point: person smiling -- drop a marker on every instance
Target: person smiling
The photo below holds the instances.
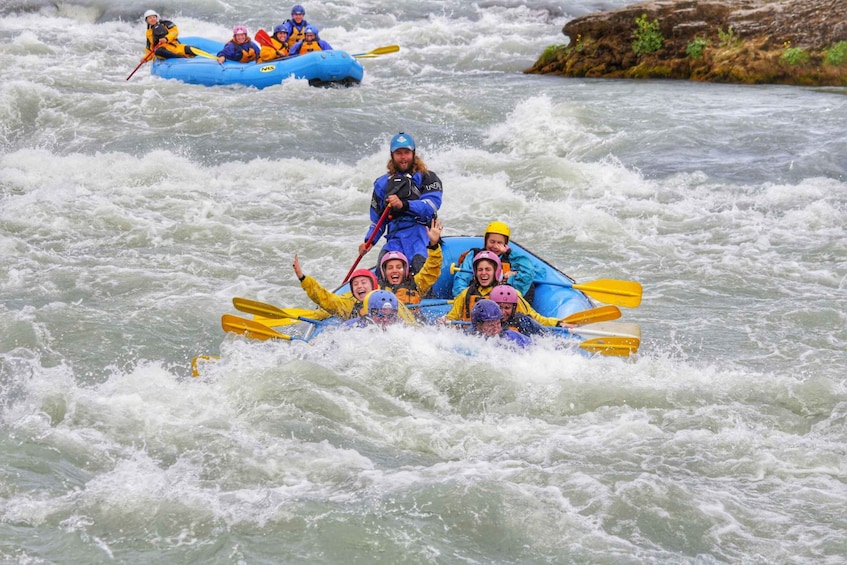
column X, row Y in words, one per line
column 487, row 274
column 395, row 275
column 413, row 194
column 345, row 306
column 310, row 43
column 240, row 48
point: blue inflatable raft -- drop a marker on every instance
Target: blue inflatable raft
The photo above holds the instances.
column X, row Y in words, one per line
column 553, row 293
column 321, row 68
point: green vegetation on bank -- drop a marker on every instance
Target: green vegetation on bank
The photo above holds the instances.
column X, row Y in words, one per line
column 648, row 36
column 837, row 54
column 713, row 53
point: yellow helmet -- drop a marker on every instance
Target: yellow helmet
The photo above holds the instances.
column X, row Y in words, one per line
column 500, row 228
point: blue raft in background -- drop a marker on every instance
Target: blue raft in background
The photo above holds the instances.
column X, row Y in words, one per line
column 320, row 68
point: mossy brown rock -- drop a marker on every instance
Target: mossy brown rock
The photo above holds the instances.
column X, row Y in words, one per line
column 740, row 41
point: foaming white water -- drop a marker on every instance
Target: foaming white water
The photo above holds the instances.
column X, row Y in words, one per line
column 132, row 212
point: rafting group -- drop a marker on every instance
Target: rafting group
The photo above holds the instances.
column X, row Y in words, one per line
column 293, row 49
column 292, row 37
column 487, row 290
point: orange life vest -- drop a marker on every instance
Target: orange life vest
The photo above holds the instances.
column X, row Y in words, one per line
column 309, row 47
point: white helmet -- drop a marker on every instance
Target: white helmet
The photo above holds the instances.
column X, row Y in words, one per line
column 149, row 13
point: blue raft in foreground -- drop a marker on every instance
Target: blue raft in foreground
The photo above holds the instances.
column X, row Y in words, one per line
column 554, row 294
column 321, row 68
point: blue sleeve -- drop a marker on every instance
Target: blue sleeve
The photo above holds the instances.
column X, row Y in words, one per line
column 426, row 207
column 523, row 272
column 520, row 340
column 295, row 50
column 324, row 45
column 464, row 276
column 228, row 51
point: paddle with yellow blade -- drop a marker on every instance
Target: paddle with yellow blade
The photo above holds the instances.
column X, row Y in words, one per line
column 610, row 291
column 252, row 329
column 594, row 315
column 603, row 329
column 384, row 50
column 200, row 53
column 270, row 315
column 612, row 346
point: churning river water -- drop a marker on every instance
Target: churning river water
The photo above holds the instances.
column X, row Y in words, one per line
column 132, row 212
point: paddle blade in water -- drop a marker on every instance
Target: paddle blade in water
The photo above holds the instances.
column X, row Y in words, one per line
column 612, row 346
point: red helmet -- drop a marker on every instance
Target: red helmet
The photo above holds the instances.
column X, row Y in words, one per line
column 394, row 255
column 365, row 273
column 489, row 256
column 504, row 293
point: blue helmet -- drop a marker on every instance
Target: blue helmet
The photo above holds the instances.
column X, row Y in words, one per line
column 402, row 140
column 279, row 28
column 298, row 9
column 382, row 300
column 311, row 29
column 485, row 311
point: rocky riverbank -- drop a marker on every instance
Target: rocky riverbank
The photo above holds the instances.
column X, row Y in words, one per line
column 802, row 42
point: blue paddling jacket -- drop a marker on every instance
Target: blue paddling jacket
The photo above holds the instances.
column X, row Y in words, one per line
column 405, row 229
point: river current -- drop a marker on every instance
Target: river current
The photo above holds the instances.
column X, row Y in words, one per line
column 132, row 212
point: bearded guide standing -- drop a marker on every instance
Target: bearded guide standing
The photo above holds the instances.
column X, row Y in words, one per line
column 413, row 194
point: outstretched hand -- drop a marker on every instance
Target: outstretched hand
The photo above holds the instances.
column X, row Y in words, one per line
column 297, row 270
column 434, row 231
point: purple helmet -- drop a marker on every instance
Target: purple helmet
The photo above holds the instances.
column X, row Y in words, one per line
column 239, row 29
column 485, row 311
column 394, row 255
column 489, row 256
column 504, row 293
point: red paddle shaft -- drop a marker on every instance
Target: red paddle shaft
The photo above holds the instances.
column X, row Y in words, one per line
column 368, row 242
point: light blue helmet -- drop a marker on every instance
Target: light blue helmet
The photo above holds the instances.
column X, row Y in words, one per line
column 485, row 311
column 311, row 29
column 401, row 141
column 298, row 9
column 382, row 300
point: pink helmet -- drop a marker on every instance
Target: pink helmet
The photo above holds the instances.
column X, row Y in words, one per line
column 504, row 293
column 239, row 29
column 394, row 255
column 489, row 256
